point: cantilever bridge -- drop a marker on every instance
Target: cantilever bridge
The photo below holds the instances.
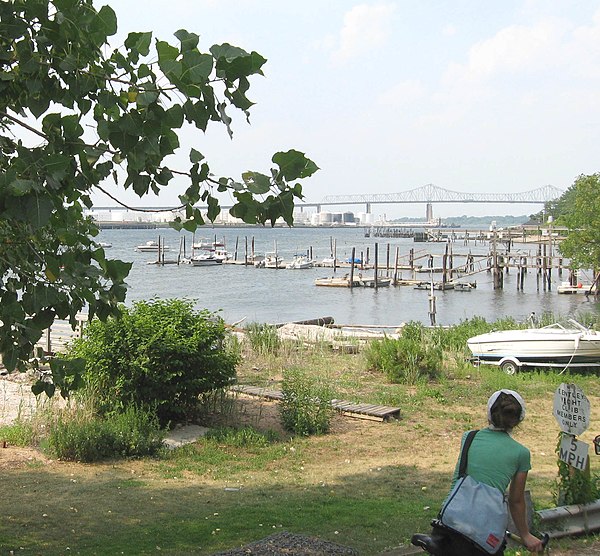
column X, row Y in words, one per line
column 433, row 194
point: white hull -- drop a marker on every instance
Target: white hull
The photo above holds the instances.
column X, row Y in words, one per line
column 552, row 344
column 203, row 261
column 300, row 263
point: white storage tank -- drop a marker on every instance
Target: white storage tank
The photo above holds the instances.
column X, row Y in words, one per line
column 325, row 218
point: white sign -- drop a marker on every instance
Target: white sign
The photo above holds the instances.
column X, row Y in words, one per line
column 571, row 409
column 574, row 452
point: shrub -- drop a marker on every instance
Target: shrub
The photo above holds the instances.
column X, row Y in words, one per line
column 160, row 354
column 82, row 436
column 406, row 359
column 263, row 338
column 306, row 406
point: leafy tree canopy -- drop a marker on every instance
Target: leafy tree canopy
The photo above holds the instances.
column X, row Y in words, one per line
column 580, row 212
column 74, row 115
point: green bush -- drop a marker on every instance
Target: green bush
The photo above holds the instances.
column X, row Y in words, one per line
column 306, row 406
column 160, row 354
column 82, row 436
column 263, row 338
column 406, row 359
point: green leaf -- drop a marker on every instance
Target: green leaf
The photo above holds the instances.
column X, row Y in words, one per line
column 197, row 66
column 20, row 187
column 227, row 51
column 164, row 176
column 196, row 113
column 38, row 387
column 196, row 156
column 106, row 21
column 258, row 184
column 167, row 60
column 32, row 208
column 146, row 98
column 294, row 165
column 117, row 270
column 139, row 42
column 213, row 208
column 174, row 116
column 240, row 66
column 188, row 41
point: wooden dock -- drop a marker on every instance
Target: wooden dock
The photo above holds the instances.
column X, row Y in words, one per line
column 358, row 410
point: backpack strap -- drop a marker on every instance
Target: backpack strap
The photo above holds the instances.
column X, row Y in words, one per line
column 462, row 469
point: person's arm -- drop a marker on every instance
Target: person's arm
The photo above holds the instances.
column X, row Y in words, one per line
column 516, row 503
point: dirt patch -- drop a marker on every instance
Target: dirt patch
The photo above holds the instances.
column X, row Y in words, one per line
column 14, row 457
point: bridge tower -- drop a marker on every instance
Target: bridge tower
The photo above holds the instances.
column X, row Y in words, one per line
column 429, row 213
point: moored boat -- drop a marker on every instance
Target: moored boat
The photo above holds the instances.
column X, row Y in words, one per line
column 271, row 260
column 151, row 246
column 300, row 262
column 208, row 259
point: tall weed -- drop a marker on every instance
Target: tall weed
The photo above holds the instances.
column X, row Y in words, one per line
column 306, row 406
column 79, row 435
column 406, row 359
column 263, row 338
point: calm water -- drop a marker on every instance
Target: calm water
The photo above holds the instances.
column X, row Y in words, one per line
column 275, row 296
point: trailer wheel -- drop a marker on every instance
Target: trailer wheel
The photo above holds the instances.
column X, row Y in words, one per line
column 509, row 367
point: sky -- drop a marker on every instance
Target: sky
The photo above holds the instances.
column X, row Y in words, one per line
column 387, row 96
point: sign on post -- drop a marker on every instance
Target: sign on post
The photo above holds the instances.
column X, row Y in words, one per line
column 571, row 409
column 573, row 451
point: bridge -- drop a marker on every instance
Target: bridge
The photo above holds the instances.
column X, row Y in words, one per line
column 425, row 194
column 433, row 194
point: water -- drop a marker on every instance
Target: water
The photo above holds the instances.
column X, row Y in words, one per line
column 277, row 296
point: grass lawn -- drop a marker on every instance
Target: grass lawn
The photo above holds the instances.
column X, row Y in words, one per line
column 366, row 484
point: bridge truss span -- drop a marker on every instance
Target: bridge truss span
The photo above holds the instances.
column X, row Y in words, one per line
column 433, row 194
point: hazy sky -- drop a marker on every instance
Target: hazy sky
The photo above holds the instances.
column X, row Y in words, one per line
column 470, row 95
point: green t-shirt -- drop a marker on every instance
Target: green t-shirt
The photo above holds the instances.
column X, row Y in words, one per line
column 494, row 458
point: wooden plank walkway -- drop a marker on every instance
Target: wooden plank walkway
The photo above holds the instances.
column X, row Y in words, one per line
column 358, row 410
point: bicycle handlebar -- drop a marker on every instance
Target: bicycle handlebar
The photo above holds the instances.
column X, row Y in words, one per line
column 545, row 538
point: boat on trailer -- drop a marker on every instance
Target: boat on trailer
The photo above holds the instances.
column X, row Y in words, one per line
column 550, row 346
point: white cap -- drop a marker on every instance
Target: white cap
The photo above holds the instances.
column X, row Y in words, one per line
column 512, row 393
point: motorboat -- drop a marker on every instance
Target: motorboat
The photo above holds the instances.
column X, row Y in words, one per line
column 271, row 260
column 151, row 246
column 205, row 243
column 552, row 345
column 208, row 259
column 300, row 262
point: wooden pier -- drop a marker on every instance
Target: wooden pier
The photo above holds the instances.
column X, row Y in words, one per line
column 358, row 410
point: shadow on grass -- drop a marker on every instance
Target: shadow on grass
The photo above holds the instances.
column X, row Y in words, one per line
column 116, row 511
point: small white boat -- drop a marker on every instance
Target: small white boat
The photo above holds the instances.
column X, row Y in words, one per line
column 553, row 345
column 205, row 243
column 299, row 262
column 151, row 246
column 203, row 260
column 271, row 260
column 104, row 244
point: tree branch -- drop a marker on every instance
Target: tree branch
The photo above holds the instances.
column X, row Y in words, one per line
column 23, row 124
column 121, row 203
